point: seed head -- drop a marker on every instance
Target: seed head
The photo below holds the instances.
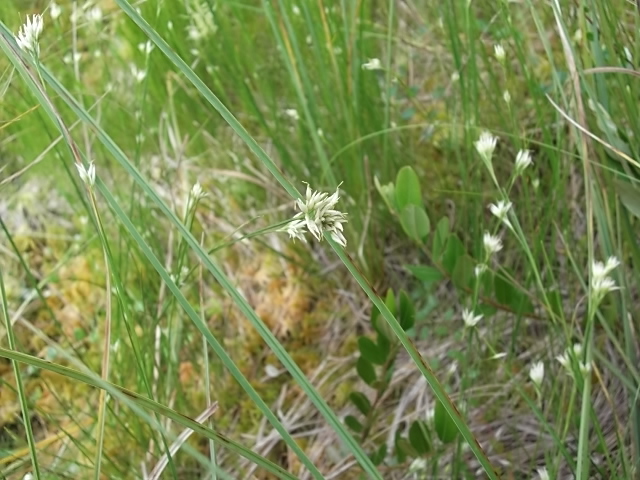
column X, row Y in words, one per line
column 87, row 175
column 29, row 34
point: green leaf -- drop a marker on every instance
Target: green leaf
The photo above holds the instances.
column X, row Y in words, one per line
column 388, row 194
column 407, row 312
column 384, row 345
column 428, row 275
column 381, row 327
column 445, row 426
column 366, row 371
column 419, row 437
column 455, row 249
column 629, row 196
column 509, row 295
column 440, row 237
column 401, row 455
column 370, row 351
column 404, row 449
column 408, row 188
column 463, row 273
column 379, row 455
column 390, row 302
column 415, row 222
column 353, row 423
column 361, row 402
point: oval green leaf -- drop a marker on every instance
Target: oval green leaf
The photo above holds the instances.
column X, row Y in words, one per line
column 366, row 371
column 415, row 222
column 407, row 188
column 419, row 437
column 445, row 427
column 353, row 423
column 370, row 351
column 361, row 402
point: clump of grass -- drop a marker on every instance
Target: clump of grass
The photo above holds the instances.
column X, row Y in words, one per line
column 341, row 96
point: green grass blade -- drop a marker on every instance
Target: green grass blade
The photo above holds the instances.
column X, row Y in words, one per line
column 22, row 396
column 138, row 400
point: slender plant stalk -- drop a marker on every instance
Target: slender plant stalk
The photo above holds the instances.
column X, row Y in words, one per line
column 22, row 395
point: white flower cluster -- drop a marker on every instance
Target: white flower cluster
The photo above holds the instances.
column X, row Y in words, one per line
column 601, row 282
column 317, row 215
column 29, row 33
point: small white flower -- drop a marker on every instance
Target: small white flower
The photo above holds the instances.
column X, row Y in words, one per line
column 418, row 465
column 492, row 244
column 146, row 47
column 372, row 64
column 498, row 50
column 28, row 476
column 455, row 76
column 197, row 192
column 498, row 356
column 600, row 270
column 535, row 183
column 564, row 360
column 500, row 210
column 138, row 75
column 470, row 320
column 543, row 474
column 87, row 175
column 577, row 350
column 296, row 230
column 523, row 161
column 585, row 368
column 292, row 113
column 506, row 96
column 480, row 269
column 93, row 15
column 54, row 10
column 485, row 145
column 601, row 283
column 296, row 10
column 536, row 373
column 29, row 33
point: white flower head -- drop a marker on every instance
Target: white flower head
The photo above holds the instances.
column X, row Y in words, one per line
column 146, row 47
column 93, row 15
column 536, row 373
column 577, row 350
column 564, row 360
column 296, row 10
column 29, row 33
column 418, row 465
column 485, row 145
column 137, row 74
column 296, row 230
column 498, row 50
column 470, row 320
column 543, row 474
column 318, row 215
column 492, row 243
column 480, row 269
column 523, row 161
column 292, row 113
column 601, row 283
column 501, row 210
column 87, row 175
column 506, row 96
column 585, row 368
column 197, row 192
column 372, row 64
column 54, row 10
